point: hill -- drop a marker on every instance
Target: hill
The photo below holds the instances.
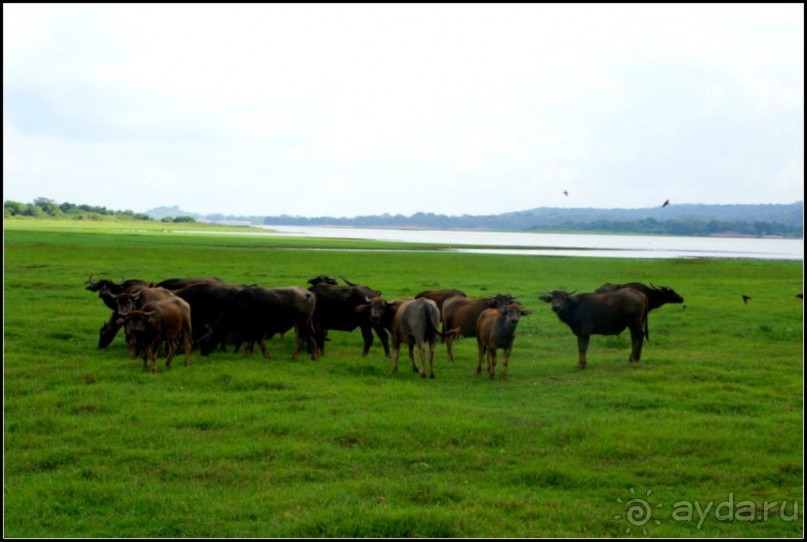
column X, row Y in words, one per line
column 786, row 220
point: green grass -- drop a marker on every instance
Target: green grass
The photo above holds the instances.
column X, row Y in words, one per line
column 237, row 446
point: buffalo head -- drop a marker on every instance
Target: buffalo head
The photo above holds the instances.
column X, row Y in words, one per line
column 559, row 299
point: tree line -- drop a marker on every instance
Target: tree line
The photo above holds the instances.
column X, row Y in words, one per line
column 48, row 208
column 536, row 222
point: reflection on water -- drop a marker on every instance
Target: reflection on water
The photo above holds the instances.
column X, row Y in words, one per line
column 563, row 244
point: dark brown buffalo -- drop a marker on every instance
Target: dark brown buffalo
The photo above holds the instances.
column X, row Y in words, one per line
column 415, row 323
column 496, row 329
column 256, row 314
column 656, row 295
column 207, row 301
column 462, row 312
column 440, row 296
column 336, row 309
column 133, row 298
column 106, row 285
column 161, row 322
column 602, row 314
column 381, row 311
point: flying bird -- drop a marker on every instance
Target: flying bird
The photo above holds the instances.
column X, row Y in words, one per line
column 565, row 193
column 666, row 203
column 746, row 298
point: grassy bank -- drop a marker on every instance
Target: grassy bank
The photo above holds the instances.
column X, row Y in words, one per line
column 702, row 436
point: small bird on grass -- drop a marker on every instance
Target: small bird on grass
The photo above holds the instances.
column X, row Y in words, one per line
column 746, row 298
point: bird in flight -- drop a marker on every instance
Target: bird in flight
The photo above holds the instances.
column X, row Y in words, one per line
column 666, row 203
column 565, row 193
column 746, row 298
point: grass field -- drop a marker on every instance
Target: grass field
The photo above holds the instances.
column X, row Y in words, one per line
column 702, row 438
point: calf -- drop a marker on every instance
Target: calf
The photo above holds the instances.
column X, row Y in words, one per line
column 602, row 314
column 415, row 322
column 496, row 328
column 122, row 303
column 462, row 312
column 166, row 320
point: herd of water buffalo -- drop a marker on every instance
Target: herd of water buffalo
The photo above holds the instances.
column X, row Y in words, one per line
column 207, row 313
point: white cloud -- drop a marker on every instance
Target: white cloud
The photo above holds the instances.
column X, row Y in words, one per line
column 241, row 108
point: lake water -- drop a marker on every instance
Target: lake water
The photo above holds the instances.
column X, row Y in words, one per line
column 563, row 244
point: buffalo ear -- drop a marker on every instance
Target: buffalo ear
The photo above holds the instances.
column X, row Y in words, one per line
column 545, row 298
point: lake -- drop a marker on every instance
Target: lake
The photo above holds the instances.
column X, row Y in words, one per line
column 568, row 244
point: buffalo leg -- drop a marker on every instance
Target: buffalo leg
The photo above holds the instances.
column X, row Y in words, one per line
column 491, row 362
column 582, row 346
column 298, row 342
column 319, row 338
column 506, row 360
column 412, row 356
column 151, row 355
column 311, row 341
column 367, row 335
column 450, row 347
column 382, row 336
column 188, row 340
column 431, row 359
column 396, row 349
column 171, row 346
column 636, row 336
column 481, row 351
column 108, row 331
column 422, row 354
column 262, row 344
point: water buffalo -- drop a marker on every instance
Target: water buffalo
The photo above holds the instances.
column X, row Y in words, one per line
column 157, row 322
column 656, row 295
column 256, row 314
column 462, row 312
column 207, row 301
column 336, row 309
column 496, row 328
column 415, row 322
column 602, row 314
column 106, row 285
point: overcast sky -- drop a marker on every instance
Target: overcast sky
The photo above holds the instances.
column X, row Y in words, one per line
column 356, row 109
